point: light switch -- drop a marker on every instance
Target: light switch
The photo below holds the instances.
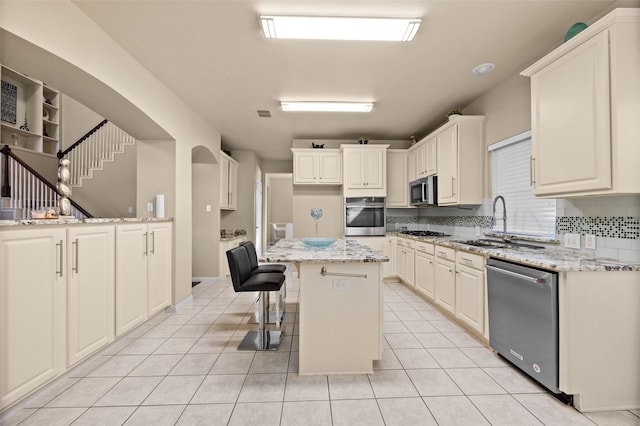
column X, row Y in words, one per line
column 590, row 241
column 130, row 209
column 572, row 241
column 149, row 207
column 208, row 208
column 341, row 284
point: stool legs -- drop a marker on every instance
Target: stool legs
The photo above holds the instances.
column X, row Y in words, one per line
column 263, row 339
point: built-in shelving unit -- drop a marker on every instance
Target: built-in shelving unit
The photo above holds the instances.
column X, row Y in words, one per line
column 37, row 114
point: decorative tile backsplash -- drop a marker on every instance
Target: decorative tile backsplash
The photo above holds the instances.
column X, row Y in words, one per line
column 626, row 227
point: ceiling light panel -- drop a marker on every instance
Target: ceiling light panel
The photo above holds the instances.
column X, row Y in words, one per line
column 326, row 28
column 327, row 106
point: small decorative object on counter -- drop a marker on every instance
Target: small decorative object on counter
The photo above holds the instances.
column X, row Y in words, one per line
column 51, row 214
column 63, row 187
column 454, row 113
column 316, row 214
column 363, row 140
column 317, row 145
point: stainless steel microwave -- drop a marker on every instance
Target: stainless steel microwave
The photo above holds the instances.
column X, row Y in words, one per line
column 424, row 192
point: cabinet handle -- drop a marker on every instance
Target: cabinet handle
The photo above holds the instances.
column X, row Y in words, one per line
column 442, row 253
column 533, row 170
column 453, row 185
column 61, row 271
column 467, row 260
column 153, row 242
column 75, row 269
column 146, row 244
column 430, row 263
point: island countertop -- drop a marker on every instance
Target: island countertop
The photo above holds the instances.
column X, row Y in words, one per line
column 342, row 251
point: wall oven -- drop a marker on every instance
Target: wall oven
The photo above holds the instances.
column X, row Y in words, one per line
column 423, row 192
column 364, row 216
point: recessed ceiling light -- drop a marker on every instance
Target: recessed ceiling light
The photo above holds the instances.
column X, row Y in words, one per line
column 327, row 106
column 483, row 68
column 326, row 28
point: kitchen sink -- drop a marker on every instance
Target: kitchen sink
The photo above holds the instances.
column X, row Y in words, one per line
column 485, row 242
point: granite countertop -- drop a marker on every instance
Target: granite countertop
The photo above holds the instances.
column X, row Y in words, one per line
column 231, row 237
column 553, row 259
column 95, row 220
column 342, row 251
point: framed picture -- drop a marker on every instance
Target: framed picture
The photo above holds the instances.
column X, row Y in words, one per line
column 8, row 101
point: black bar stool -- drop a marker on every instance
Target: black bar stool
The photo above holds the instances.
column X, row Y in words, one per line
column 256, row 268
column 244, row 281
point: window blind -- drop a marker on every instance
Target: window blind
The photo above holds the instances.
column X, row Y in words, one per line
column 511, row 178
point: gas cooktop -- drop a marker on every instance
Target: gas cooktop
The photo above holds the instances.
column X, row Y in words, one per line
column 425, row 234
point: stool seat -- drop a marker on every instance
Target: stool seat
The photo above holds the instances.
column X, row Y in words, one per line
column 263, row 282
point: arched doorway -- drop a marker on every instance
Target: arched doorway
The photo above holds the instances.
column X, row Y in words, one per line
column 205, row 222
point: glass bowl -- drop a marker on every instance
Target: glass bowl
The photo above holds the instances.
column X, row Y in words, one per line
column 318, row 242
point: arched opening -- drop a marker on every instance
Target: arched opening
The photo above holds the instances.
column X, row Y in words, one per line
column 205, row 221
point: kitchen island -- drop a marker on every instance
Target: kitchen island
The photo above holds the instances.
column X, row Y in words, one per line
column 341, row 304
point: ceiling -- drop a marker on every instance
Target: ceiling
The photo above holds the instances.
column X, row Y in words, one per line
column 213, row 55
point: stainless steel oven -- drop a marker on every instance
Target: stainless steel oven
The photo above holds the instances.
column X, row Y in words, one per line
column 364, row 216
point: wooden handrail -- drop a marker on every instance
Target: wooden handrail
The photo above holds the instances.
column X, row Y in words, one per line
column 6, row 150
column 61, row 154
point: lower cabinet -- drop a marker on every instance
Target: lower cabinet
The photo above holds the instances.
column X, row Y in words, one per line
column 445, row 288
column 470, row 290
column 389, row 268
column 33, row 291
column 90, row 290
column 405, row 262
column 425, row 269
column 143, row 272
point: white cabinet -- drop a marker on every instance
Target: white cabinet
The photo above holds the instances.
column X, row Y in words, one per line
column 405, row 261
column 228, row 182
column 426, row 160
column 389, row 268
column 397, row 179
column 584, row 133
column 411, row 164
column 39, row 106
column 425, row 269
column 90, row 290
column 365, row 170
column 33, row 309
column 445, row 277
column 470, row 290
column 227, row 244
column 317, row 166
column 460, row 153
column 143, row 272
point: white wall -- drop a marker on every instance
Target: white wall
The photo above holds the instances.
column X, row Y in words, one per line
column 84, row 46
column 76, row 121
column 206, row 225
column 329, row 199
column 279, row 193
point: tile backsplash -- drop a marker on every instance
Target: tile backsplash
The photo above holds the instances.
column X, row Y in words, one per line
column 614, row 220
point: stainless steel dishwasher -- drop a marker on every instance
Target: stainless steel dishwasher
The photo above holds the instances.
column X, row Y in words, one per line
column 523, row 318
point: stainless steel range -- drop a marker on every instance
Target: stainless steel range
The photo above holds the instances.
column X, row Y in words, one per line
column 425, row 234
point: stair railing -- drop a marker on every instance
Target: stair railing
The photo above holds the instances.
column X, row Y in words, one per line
column 26, row 189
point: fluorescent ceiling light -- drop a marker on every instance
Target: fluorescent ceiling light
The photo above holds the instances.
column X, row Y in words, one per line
column 325, row 28
column 327, row 106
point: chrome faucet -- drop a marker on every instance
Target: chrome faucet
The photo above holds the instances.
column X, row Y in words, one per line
column 504, row 216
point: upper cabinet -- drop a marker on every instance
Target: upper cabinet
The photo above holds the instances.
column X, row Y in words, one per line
column 30, row 113
column 424, row 157
column 365, row 170
column 397, row 188
column 459, row 146
column 228, row 182
column 584, row 111
column 317, row 166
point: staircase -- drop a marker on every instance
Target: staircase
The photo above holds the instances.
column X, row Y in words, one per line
column 100, row 145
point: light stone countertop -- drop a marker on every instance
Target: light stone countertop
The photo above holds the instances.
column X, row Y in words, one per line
column 552, row 259
column 342, row 251
column 93, row 221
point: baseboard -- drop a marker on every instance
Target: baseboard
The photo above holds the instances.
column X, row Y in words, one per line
column 172, row 309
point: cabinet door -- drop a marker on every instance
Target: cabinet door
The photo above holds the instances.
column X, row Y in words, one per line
column 397, row 181
column 571, row 129
column 447, row 147
column 131, row 276
column 91, row 290
column 430, row 152
column 159, row 266
column 400, row 261
column 233, row 185
column 305, row 167
column 355, row 171
column 411, row 166
column 330, row 167
column 410, row 267
column 33, row 310
column 421, row 166
column 470, row 297
column 389, row 268
column 445, row 278
column 425, row 274
column 374, row 168
column 224, row 182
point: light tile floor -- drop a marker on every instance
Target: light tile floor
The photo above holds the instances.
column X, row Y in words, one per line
column 184, row 369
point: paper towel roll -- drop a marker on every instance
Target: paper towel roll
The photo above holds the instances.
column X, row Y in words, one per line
column 160, row 206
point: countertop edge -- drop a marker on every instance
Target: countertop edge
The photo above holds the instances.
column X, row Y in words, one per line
column 91, row 221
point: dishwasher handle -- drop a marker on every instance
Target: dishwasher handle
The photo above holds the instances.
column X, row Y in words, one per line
column 533, row 280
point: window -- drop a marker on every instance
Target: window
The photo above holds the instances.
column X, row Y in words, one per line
column 511, row 178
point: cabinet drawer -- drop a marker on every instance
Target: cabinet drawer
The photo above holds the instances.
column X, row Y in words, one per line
column 425, row 247
column 410, row 244
column 402, row 242
column 471, row 260
column 445, row 253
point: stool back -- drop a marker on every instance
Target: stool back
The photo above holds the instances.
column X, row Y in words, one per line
column 239, row 266
column 251, row 252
